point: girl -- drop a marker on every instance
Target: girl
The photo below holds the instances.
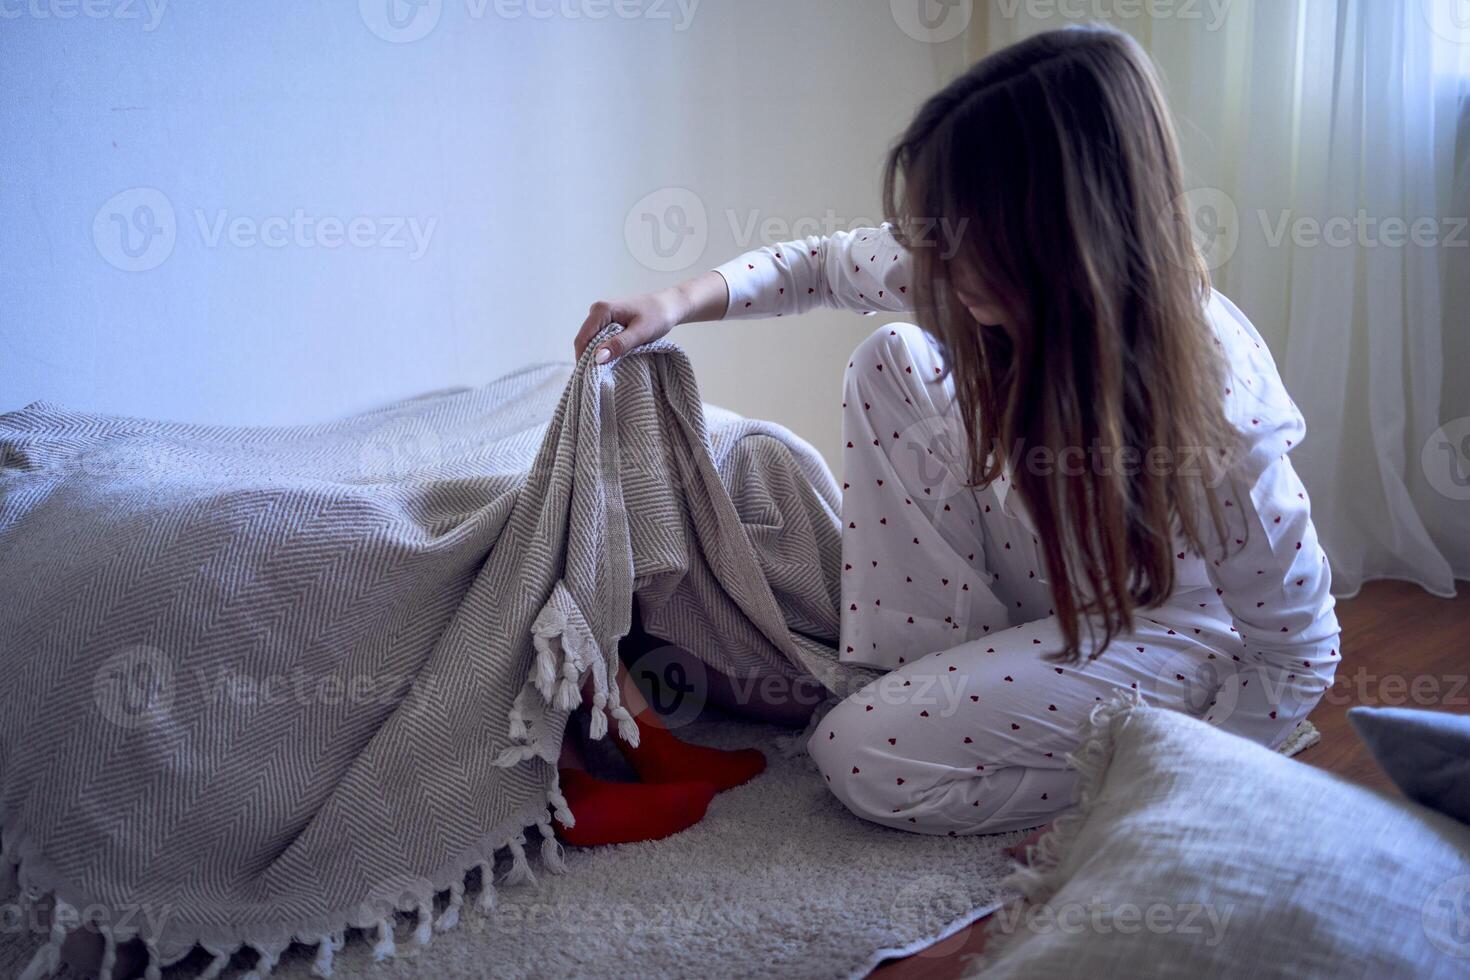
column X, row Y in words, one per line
column 1073, row 479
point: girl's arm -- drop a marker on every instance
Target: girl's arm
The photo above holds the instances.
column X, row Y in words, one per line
column 1273, row 578
column 864, row 270
column 1274, row 582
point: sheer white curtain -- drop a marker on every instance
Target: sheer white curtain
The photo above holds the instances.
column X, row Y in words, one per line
column 1328, row 145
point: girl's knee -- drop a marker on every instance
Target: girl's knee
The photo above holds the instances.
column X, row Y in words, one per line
column 895, row 381
column 872, row 775
column 843, row 748
column 830, row 753
column 896, row 348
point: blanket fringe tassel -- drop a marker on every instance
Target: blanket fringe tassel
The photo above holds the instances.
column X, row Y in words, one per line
column 48, row 958
column 597, row 718
column 627, row 727
column 449, row 918
column 265, row 963
column 154, row 969
column 486, row 901
column 109, row 952
column 326, row 948
column 423, row 932
column 566, row 656
column 569, row 693
column 558, row 804
column 551, row 852
column 520, row 869
column 518, row 730
column 217, row 965
column 384, row 947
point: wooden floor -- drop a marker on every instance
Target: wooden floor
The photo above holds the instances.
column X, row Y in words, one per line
column 1401, row 648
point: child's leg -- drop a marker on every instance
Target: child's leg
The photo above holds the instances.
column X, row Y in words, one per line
column 974, row 739
column 660, row 757
column 914, row 569
column 625, row 813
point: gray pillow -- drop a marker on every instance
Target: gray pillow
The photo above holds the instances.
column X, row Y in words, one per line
column 1194, row 853
column 1425, row 753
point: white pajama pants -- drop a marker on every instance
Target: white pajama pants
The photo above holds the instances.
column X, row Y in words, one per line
column 945, row 585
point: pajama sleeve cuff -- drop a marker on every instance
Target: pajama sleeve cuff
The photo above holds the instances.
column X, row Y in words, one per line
column 755, row 284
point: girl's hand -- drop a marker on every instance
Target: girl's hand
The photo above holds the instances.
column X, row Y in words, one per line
column 644, row 318
column 649, row 316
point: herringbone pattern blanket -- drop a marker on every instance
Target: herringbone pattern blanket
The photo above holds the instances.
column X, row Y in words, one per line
column 258, row 685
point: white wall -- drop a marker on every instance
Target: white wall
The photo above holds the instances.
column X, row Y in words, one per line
column 517, row 144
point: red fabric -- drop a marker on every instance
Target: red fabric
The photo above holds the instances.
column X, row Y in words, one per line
column 662, row 758
column 622, row 813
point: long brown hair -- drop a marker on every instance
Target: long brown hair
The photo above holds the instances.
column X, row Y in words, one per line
column 1053, row 169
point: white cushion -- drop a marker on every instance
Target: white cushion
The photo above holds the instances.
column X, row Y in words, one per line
column 1194, row 853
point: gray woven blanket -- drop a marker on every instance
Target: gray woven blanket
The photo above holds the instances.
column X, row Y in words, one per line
column 260, row 685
